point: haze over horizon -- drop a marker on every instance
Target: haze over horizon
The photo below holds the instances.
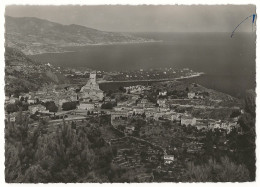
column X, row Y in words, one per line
column 144, row 18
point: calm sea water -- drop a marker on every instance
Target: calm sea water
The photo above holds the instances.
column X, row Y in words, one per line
column 229, row 63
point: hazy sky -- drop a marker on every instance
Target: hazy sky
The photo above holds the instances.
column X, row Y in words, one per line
column 175, row 18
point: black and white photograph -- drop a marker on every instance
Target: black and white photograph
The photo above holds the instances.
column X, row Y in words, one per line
column 129, row 93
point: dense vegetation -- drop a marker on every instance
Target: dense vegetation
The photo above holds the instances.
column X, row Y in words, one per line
column 67, row 155
column 22, row 74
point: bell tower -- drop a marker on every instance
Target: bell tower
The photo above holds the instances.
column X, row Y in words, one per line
column 92, row 77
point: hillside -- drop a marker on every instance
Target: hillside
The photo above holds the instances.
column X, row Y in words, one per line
column 34, row 36
column 23, row 74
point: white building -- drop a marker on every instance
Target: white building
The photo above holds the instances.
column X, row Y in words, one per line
column 61, row 101
column 191, row 95
column 138, row 110
column 161, row 102
column 168, row 159
column 163, row 93
column 188, row 120
column 31, row 101
column 86, row 106
column 37, row 108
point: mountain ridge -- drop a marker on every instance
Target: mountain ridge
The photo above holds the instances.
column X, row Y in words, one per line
column 35, row 36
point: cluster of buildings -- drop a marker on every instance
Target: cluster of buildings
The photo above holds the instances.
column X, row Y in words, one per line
column 162, row 111
column 137, row 89
column 88, row 98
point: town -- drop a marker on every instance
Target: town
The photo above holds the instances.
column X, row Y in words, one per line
column 155, row 128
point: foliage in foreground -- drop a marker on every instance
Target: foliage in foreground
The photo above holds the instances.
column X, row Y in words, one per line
column 223, row 171
column 66, row 155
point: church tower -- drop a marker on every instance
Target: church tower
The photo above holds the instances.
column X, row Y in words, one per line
column 92, row 77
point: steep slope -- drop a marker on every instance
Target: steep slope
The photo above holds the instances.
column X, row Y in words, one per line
column 33, row 35
column 23, row 74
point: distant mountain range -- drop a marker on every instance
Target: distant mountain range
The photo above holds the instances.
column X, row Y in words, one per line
column 35, row 36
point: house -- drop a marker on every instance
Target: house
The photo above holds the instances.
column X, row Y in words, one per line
column 202, row 124
column 176, row 117
column 163, row 109
column 138, row 110
column 149, row 112
column 161, row 102
column 168, row 159
column 144, row 101
column 12, row 119
column 118, row 108
column 7, row 99
column 188, row 120
column 86, row 106
column 191, row 95
column 61, row 101
column 199, row 95
column 118, row 115
column 163, row 93
column 12, row 100
column 158, row 115
column 31, row 101
column 36, row 108
column 135, row 89
column 122, row 103
column 129, row 130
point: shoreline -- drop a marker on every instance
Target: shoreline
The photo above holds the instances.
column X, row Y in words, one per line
column 152, row 80
column 97, row 44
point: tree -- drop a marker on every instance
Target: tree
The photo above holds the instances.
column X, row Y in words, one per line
column 11, row 108
column 69, row 105
column 107, row 105
column 122, row 89
column 19, row 138
column 121, row 127
column 235, row 113
column 143, row 156
column 51, row 106
column 223, row 171
column 71, row 155
column 245, row 144
column 67, row 154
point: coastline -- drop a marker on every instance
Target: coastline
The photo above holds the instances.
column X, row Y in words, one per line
column 151, row 80
column 97, row 44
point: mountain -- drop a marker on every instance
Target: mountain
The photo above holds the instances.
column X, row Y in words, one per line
column 35, row 36
column 23, row 74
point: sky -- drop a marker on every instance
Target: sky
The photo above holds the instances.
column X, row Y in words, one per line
column 144, row 18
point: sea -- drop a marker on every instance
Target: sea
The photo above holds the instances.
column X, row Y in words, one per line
column 228, row 63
